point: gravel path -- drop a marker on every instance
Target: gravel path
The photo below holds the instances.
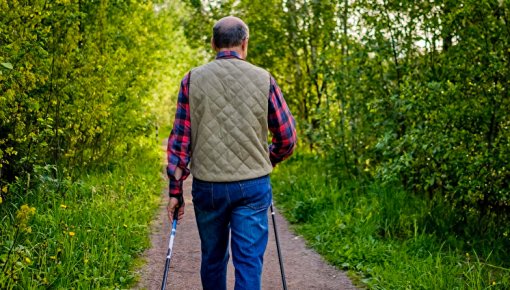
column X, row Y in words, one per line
column 304, row 268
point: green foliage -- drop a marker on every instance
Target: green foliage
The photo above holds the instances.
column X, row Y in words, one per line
column 401, row 91
column 83, row 87
column 383, row 235
column 81, row 80
column 86, row 238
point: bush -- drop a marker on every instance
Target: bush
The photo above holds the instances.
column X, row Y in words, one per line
column 385, row 236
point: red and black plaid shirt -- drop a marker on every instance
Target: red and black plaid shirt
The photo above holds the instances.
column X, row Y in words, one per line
column 279, row 119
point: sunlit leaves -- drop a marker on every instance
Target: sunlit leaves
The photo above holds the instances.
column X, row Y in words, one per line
column 420, row 88
column 81, row 81
column 7, row 65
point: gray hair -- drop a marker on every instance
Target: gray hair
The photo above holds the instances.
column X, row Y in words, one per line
column 227, row 35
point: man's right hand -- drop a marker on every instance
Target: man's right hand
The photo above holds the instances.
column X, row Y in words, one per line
column 173, row 205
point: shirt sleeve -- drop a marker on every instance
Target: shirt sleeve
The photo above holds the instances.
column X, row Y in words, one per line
column 178, row 150
column 281, row 124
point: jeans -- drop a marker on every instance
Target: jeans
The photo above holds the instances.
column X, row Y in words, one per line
column 237, row 208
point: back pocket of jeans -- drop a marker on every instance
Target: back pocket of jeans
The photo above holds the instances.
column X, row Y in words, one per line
column 257, row 195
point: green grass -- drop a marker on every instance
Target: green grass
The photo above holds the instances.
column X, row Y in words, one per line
column 83, row 234
column 382, row 235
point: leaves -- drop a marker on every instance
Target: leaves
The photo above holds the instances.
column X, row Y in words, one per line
column 90, row 80
column 7, row 65
column 418, row 88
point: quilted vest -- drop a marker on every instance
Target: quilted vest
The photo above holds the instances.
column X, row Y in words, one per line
column 228, row 101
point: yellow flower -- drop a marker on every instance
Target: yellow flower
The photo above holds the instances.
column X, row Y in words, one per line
column 71, row 234
column 27, row 259
column 27, row 209
column 1, row 200
column 493, row 282
column 23, row 215
column 4, row 189
column 63, row 206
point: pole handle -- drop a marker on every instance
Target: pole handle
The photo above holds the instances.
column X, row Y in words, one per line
column 176, row 214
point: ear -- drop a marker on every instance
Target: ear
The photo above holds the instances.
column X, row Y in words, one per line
column 244, row 44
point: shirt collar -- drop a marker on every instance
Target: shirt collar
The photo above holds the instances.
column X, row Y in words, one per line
column 227, row 54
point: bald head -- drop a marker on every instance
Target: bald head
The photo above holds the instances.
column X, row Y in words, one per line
column 229, row 32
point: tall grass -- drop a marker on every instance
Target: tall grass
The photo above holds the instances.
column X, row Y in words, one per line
column 383, row 235
column 82, row 234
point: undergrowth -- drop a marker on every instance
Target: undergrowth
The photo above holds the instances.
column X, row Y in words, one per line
column 83, row 234
column 383, row 235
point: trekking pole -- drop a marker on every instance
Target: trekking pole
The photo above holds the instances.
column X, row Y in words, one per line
column 170, row 246
column 280, row 258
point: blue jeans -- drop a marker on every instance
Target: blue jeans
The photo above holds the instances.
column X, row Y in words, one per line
column 239, row 208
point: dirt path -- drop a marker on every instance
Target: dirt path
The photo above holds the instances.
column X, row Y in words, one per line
column 304, row 268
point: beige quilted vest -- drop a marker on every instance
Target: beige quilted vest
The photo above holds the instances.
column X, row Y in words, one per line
column 228, row 101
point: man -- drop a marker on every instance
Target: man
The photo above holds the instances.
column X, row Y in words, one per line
column 224, row 112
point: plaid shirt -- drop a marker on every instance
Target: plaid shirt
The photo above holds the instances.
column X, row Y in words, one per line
column 280, row 123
